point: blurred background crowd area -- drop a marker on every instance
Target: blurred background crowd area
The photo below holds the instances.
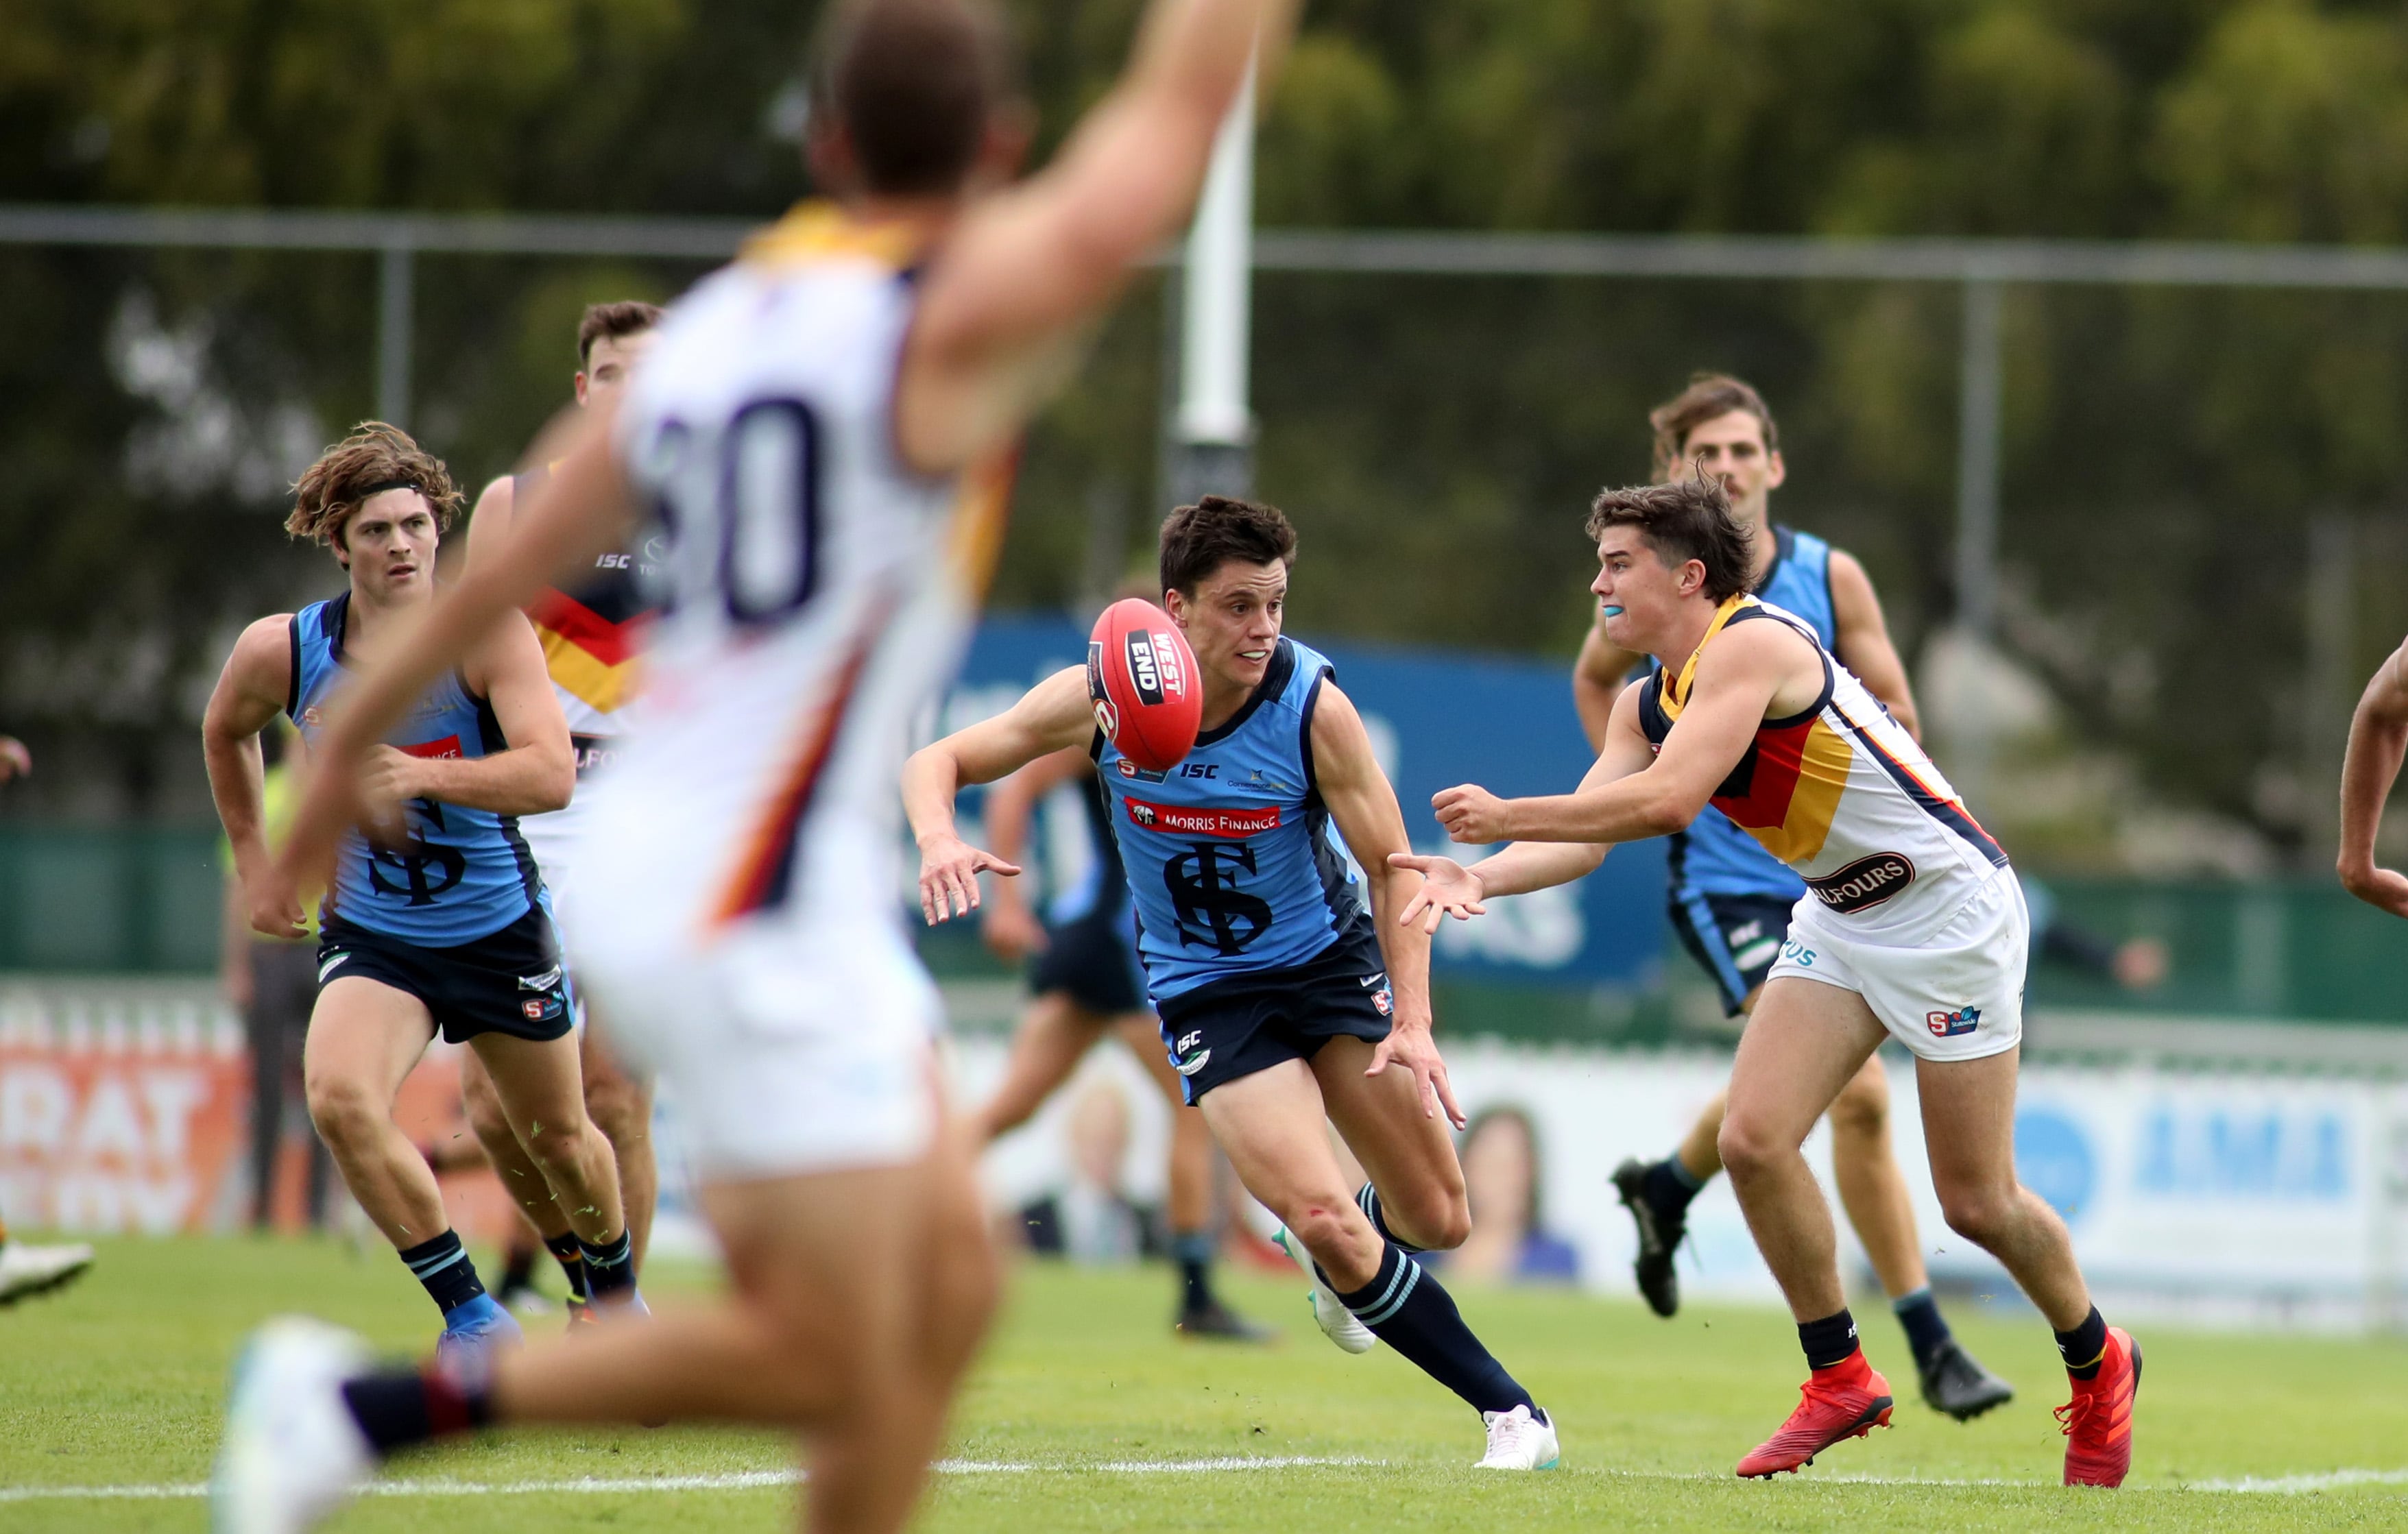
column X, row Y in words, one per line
column 2200, row 551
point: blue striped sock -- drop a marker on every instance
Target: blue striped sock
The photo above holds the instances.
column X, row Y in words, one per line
column 1410, row 1312
column 443, row 1266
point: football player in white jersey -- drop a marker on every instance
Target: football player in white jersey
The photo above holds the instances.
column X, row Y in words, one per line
column 807, row 426
column 590, row 628
column 1913, row 927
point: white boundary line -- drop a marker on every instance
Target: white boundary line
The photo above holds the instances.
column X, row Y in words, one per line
column 2282, row 1486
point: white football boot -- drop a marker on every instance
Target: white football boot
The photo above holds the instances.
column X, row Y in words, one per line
column 292, row 1454
column 35, row 1269
column 1517, row 1440
column 1337, row 1322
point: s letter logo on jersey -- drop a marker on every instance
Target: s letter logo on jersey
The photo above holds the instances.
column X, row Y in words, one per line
column 1949, row 1024
column 1212, row 912
column 1144, row 775
column 1865, row 882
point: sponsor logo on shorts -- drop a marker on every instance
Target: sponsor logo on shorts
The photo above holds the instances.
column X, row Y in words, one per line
column 1865, row 882
column 545, row 981
column 1189, row 1066
column 1383, row 1001
column 1950, row 1025
column 1203, row 819
column 1799, row 954
column 1187, row 1042
column 331, row 965
column 540, row 1007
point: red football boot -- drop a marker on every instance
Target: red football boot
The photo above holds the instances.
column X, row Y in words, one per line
column 1849, row 1399
column 2098, row 1419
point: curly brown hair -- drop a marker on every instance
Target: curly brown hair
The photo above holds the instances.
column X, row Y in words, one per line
column 375, row 457
column 1686, row 520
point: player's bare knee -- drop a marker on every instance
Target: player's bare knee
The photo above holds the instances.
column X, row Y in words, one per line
column 1746, row 1145
column 1438, row 1220
column 618, row 1108
column 1861, row 1113
column 344, row 1111
column 555, row 1146
column 1980, row 1214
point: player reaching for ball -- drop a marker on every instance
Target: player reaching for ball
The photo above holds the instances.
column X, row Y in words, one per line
column 822, row 429
column 1913, row 927
column 1284, row 1004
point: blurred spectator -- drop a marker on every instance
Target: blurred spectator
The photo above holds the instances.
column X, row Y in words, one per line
column 273, row 983
column 1089, row 1220
column 1508, row 1240
column 2137, row 963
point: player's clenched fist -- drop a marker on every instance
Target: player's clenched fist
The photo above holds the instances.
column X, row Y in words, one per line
column 1472, row 813
column 948, row 871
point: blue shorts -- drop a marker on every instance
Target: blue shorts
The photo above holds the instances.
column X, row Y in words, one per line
column 1734, row 939
column 1227, row 1028
column 508, row 981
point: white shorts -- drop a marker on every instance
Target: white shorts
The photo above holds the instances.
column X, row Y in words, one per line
column 1957, row 995
column 788, row 1054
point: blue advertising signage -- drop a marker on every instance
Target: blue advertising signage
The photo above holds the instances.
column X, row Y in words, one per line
column 1437, row 718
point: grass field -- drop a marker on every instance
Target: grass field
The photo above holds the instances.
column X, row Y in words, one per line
column 1088, row 1414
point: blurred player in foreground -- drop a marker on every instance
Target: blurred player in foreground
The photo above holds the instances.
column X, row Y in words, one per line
column 1730, row 900
column 1090, row 984
column 1285, row 1004
column 437, row 919
column 589, row 632
column 2378, row 739
column 822, row 429
column 1915, row 931
column 26, row 1270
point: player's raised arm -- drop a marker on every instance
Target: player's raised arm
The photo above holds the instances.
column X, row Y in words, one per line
column 2378, row 739
column 1860, row 638
column 251, row 690
column 1054, row 715
column 1364, row 806
column 1030, row 265
column 1449, row 889
column 1737, row 682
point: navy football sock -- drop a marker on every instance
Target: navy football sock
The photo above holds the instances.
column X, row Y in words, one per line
column 2085, row 1348
column 444, row 1268
column 1193, row 1251
column 1927, row 1329
column 610, row 1268
column 1669, row 1187
column 1828, row 1341
column 398, row 1408
column 1369, row 1201
column 571, row 1257
column 1408, row 1309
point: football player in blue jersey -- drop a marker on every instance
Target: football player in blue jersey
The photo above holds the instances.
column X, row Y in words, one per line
column 1281, row 1004
column 1087, row 983
column 1730, row 900
column 436, row 920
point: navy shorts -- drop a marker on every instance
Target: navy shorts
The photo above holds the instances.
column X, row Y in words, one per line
column 507, row 982
column 1226, row 1028
column 1734, row 938
column 1090, row 961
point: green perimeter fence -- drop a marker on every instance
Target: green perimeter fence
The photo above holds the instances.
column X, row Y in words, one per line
column 145, row 900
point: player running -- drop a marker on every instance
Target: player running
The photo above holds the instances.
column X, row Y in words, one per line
column 1914, row 928
column 821, row 428
column 1730, row 898
column 1284, row 1004
column 589, row 634
column 1089, row 984
column 436, row 918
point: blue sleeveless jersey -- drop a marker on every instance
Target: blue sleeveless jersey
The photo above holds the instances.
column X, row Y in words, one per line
column 1232, row 862
column 464, row 873
column 1715, row 856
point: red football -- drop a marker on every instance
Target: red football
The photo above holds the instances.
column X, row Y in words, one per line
column 1141, row 679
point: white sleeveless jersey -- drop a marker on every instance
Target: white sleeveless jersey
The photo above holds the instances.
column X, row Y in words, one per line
column 813, row 596
column 1841, row 793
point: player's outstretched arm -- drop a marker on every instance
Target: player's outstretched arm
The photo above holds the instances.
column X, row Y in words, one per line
column 1738, row 679
column 1029, row 266
column 489, row 523
column 250, row 691
column 1599, row 678
column 1860, row 638
column 1054, row 715
column 1365, row 808
column 1449, row 889
column 573, row 517
column 2378, row 738
column 1008, row 925
column 539, row 771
